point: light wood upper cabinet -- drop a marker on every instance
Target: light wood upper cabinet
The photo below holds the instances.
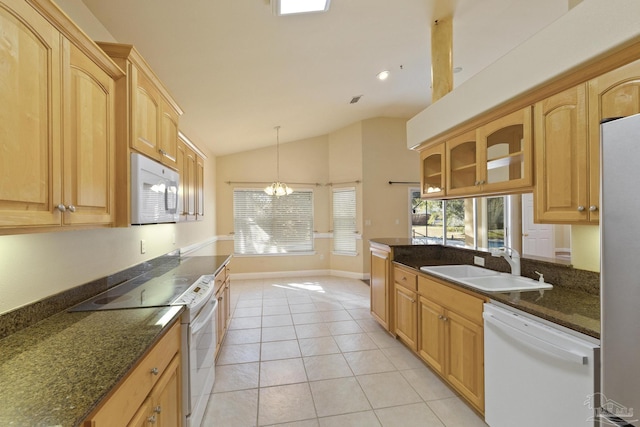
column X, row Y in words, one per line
column 57, row 115
column 492, row 159
column 30, row 116
column 562, row 158
column 504, row 153
column 199, row 187
column 168, row 146
column 146, row 115
column 462, row 167
column 149, row 122
column 432, row 179
column 191, row 168
column 613, row 94
column 89, row 141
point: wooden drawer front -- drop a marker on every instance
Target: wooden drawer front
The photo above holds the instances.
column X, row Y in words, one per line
column 462, row 303
column 405, row 278
column 121, row 407
column 221, row 277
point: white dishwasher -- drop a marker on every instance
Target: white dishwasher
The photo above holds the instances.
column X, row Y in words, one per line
column 537, row 374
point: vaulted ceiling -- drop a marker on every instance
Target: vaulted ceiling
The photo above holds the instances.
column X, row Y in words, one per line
column 238, row 71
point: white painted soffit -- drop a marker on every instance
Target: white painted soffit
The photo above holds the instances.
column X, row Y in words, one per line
column 589, row 30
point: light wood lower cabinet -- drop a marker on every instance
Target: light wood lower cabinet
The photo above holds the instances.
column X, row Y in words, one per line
column 450, row 337
column 151, row 393
column 406, row 307
column 223, row 294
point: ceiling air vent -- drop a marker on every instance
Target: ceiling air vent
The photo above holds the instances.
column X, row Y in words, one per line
column 355, row 99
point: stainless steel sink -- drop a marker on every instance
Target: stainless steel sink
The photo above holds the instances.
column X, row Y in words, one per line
column 484, row 279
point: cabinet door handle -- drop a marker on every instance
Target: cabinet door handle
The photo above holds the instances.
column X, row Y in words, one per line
column 61, row 207
column 440, row 316
column 404, row 279
column 580, row 208
column 151, row 419
column 71, row 208
column 593, row 208
column 412, row 301
column 154, row 371
column 157, row 409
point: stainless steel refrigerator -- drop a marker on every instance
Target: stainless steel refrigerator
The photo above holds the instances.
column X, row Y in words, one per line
column 620, row 271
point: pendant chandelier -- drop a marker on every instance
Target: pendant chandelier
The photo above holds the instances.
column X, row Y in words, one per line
column 278, row 188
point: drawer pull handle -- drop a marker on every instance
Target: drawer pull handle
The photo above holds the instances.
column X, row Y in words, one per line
column 157, row 409
column 154, row 371
column 152, row 419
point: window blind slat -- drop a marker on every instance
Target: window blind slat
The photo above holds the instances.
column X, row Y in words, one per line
column 344, row 220
column 268, row 224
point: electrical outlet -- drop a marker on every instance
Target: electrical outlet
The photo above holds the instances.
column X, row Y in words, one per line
column 478, row 260
column 143, row 247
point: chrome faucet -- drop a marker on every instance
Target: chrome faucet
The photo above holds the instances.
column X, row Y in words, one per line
column 511, row 255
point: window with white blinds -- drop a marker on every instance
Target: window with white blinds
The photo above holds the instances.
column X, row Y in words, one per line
column 344, row 221
column 267, row 224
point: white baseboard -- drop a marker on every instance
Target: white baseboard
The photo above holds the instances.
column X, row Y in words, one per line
column 299, row 273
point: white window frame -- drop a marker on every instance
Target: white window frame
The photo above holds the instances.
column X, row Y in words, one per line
column 345, row 231
column 257, row 241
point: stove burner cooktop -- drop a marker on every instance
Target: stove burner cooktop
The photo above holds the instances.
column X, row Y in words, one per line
column 138, row 293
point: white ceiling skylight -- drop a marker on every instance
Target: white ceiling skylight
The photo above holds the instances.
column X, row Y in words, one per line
column 291, row 7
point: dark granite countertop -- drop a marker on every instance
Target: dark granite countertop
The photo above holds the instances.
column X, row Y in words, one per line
column 574, row 302
column 55, row 372
column 571, row 308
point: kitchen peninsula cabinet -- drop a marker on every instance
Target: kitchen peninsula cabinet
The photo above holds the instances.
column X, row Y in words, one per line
column 150, row 393
column 450, row 337
column 381, row 294
column 58, row 118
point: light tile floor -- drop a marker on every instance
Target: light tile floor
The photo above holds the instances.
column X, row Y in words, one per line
column 305, row 352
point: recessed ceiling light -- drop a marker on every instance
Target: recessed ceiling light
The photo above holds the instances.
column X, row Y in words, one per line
column 383, row 75
column 291, row 7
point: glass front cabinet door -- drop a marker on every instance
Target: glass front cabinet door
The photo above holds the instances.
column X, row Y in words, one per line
column 505, row 153
column 433, row 177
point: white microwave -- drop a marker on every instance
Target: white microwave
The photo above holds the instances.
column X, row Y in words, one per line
column 154, row 191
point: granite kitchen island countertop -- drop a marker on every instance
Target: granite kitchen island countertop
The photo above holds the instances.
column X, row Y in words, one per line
column 57, row 371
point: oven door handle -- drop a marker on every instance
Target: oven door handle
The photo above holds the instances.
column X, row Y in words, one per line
column 202, row 321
